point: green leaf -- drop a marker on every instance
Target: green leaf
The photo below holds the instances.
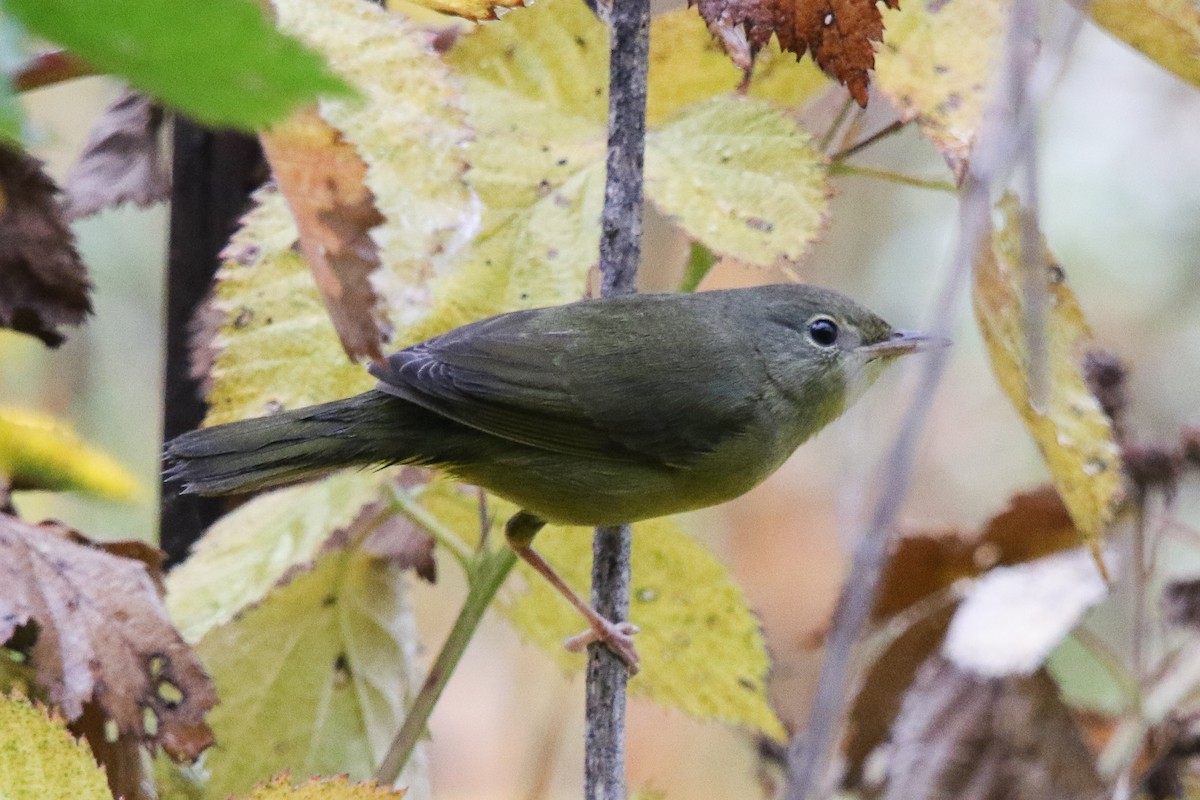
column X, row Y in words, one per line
column 12, row 116
column 262, row 542
column 702, row 649
column 39, row 758
column 700, row 261
column 1166, row 31
column 740, row 177
column 219, row 61
column 315, row 679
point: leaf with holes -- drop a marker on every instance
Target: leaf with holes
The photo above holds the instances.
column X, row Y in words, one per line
column 102, row 635
column 315, row 679
column 1072, row 431
column 839, row 33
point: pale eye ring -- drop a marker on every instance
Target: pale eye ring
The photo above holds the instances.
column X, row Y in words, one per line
column 822, row 331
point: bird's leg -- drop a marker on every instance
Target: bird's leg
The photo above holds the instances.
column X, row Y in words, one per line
column 520, row 530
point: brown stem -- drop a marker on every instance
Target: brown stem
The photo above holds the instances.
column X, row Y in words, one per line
column 50, row 68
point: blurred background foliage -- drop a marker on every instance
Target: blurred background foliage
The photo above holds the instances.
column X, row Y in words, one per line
column 1121, row 209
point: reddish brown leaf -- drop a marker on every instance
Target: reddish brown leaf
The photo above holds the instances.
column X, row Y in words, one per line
column 839, row 33
column 101, row 634
column 322, row 177
column 883, row 688
column 962, row 737
column 43, row 283
column 1035, row 524
column 122, row 161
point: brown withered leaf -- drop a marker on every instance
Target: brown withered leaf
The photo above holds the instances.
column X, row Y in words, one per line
column 882, row 689
column 839, row 33
column 963, row 737
column 102, row 636
column 122, row 161
column 322, row 176
column 43, row 283
column 391, row 536
column 121, row 758
column 1035, row 524
column 398, row 539
column 1181, row 602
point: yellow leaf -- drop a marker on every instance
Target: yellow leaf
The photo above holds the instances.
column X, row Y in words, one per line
column 1167, row 31
column 687, row 66
column 315, row 679
column 936, row 66
column 40, row 759
column 409, row 126
column 535, row 86
column 701, row 647
column 275, row 347
column 339, row 788
column 38, row 451
column 467, row 9
column 1072, row 432
column 261, row 543
column 741, row 178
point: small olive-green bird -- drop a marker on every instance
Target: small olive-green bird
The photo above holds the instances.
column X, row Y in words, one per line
column 600, row 412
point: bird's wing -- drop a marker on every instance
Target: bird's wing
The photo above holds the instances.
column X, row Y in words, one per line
column 629, row 381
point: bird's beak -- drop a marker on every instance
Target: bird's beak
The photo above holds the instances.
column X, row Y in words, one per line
column 902, row 343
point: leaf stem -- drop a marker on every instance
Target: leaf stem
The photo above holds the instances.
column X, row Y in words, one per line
column 486, row 571
column 50, row 68
column 877, row 136
column 838, row 168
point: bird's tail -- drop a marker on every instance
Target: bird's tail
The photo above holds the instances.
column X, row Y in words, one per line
column 285, row 448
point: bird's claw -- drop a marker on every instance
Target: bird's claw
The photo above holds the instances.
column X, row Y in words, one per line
column 617, row 636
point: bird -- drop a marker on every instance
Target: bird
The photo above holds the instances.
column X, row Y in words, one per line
column 600, row 412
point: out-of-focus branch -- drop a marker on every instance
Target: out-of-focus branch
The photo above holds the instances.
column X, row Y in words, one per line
column 998, row 150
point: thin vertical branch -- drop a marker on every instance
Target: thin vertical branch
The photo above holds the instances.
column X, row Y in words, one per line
column 620, row 248
column 997, row 152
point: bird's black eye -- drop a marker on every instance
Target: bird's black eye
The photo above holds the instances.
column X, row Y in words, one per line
column 823, row 331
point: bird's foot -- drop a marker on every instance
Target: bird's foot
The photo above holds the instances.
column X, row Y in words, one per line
column 618, row 636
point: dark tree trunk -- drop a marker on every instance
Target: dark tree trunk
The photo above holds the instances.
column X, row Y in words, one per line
column 214, row 173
